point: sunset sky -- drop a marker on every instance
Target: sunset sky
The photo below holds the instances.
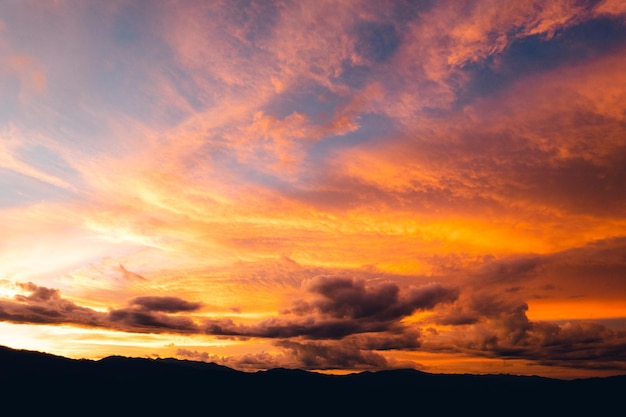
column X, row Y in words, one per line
column 335, row 186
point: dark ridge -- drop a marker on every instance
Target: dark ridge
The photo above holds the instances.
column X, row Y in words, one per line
column 42, row 383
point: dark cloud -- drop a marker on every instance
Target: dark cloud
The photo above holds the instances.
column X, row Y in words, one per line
column 509, row 269
column 346, row 298
column 44, row 305
column 326, row 356
column 165, row 304
column 595, row 270
column 366, row 318
column 575, row 344
column 490, row 319
column 139, row 320
column 495, row 324
column 309, row 327
column 350, row 298
column 37, row 293
column 490, row 316
column 399, row 339
column 298, row 355
column 147, row 313
column 342, row 307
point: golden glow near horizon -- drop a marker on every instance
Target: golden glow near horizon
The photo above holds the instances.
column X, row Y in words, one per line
column 334, row 186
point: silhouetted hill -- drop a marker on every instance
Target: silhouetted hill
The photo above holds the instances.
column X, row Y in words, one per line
column 42, row 383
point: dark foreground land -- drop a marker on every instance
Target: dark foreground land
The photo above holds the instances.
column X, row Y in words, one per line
column 34, row 383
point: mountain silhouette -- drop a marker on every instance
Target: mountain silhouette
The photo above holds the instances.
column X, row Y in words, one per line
column 39, row 383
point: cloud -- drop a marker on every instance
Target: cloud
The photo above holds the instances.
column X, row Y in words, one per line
column 592, row 270
column 128, row 275
column 193, row 355
column 325, row 356
column 44, row 305
column 491, row 315
column 252, row 362
column 399, row 338
column 350, row 322
column 37, row 294
column 146, row 313
column 530, row 148
column 349, row 298
column 613, row 8
column 349, row 308
column 13, row 146
column 297, row 355
column 309, row 327
column 165, row 304
column 140, row 320
column 583, row 345
column 477, row 31
column 346, row 307
column 346, row 321
column 498, row 327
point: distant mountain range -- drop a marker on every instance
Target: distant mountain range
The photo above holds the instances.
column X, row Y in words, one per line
column 37, row 383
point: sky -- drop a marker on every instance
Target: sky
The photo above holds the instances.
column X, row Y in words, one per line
column 336, row 186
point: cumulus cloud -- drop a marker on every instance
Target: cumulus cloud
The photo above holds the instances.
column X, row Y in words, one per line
column 44, row 305
column 348, row 298
column 491, row 316
column 509, row 334
column 343, row 307
column 579, row 344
